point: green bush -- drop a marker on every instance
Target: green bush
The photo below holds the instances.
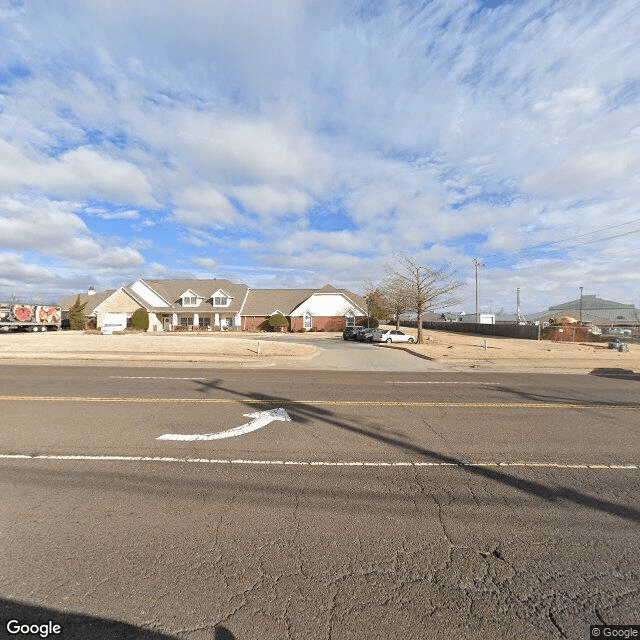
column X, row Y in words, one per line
column 140, row 319
column 77, row 319
column 278, row 321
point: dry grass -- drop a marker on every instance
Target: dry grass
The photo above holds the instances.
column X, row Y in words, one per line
column 148, row 347
column 253, row 350
column 458, row 348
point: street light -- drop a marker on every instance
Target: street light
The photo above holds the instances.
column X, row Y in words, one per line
column 478, row 264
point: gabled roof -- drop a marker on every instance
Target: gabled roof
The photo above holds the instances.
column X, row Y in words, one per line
column 172, row 290
column 222, row 292
column 263, row 302
column 189, row 292
column 359, row 301
column 92, row 300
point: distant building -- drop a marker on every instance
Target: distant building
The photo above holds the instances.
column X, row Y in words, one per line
column 591, row 309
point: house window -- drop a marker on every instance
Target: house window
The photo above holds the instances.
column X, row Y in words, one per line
column 306, row 319
column 186, row 321
column 351, row 321
column 189, row 301
column 204, row 322
column 220, row 302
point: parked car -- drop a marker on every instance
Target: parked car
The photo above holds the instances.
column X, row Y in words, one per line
column 391, row 335
column 348, row 332
column 357, row 332
column 366, row 335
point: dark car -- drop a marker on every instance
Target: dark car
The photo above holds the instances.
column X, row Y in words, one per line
column 366, row 335
column 348, row 333
column 352, row 333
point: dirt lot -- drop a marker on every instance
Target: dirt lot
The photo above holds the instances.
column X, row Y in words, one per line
column 498, row 353
column 147, row 348
column 454, row 349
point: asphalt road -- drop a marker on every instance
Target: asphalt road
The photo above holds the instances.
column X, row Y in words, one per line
column 391, row 505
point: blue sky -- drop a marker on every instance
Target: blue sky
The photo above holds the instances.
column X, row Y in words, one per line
column 290, row 143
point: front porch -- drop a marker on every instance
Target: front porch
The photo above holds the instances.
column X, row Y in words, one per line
column 197, row 322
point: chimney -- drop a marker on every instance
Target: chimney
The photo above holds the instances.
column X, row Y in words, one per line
column 91, row 291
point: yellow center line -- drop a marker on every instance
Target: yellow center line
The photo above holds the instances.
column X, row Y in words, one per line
column 338, row 403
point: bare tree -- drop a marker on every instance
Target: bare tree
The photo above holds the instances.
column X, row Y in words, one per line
column 397, row 296
column 377, row 304
column 421, row 288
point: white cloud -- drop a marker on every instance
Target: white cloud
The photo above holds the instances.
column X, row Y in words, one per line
column 80, row 173
column 204, row 206
column 267, row 200
column 441, row 126
column 231, row 149
column 584, row 175
column 53, row 229
column 129, row 214
column 209, row 265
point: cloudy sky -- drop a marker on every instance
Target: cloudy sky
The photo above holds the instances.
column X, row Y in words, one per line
column 290, row 143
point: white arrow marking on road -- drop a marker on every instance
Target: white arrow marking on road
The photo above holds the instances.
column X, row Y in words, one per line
column 261, row 419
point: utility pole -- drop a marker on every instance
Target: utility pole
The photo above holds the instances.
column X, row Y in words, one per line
column 520, row 319
column 477, row 264
column 580, row 305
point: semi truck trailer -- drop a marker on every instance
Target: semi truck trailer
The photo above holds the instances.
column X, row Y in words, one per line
column 17, row 316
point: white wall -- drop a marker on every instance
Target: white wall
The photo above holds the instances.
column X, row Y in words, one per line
column 325, row 304
column 147, row 294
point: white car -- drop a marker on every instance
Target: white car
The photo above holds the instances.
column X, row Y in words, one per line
column 391, row 335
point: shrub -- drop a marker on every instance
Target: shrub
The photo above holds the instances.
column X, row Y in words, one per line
column 278, row 321
column 77, row 319
column 140, row 319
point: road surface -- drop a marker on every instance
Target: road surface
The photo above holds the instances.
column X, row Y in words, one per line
column 391, row 505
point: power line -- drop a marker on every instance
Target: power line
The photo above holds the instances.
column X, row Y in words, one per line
column 514, row 254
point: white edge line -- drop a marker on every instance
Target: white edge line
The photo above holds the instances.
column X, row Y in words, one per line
column 311, row 463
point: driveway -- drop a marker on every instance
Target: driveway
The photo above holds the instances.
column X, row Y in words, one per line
column 342, row 355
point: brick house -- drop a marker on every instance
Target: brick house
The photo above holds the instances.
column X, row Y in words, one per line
column 224, row 305
column 326, row 309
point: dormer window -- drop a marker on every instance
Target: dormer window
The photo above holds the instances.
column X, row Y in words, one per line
column 189, row 301
column 220, row 301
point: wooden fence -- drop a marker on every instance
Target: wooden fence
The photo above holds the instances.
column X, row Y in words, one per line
column 524, row 331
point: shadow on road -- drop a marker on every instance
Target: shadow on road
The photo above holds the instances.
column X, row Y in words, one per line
column 587, row 401
column 615, row 372
column 72, row 626
column 302, row 412
column 14, row 616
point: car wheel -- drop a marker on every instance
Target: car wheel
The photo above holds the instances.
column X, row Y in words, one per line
column 388, row 340
column 410, row 340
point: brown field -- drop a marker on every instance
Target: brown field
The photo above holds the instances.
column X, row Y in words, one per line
column 455, row 349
